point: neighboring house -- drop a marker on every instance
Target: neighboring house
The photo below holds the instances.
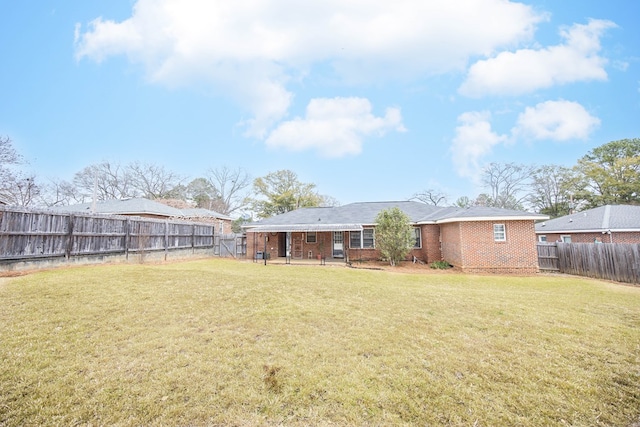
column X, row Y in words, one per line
column 605, row 224
column 475, row 239
column 151, row 209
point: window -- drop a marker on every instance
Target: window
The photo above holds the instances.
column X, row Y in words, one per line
column 362, row 239
column 418, row 241
column 367, row 239
column 354, row 239
column 542, row 238
column 311, row 237
column 566, row 238
column 499, row 233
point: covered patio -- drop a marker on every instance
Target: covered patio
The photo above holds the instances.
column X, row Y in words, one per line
column 302, row 243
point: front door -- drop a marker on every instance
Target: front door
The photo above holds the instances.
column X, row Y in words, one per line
column 338, row 244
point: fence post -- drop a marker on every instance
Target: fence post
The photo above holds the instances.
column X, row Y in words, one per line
column 193, row 239
column 127, row 235
column 69, row 245
column 166, row 239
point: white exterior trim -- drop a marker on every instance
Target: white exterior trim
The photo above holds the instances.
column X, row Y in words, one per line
column 595, row 230
column 487, row 218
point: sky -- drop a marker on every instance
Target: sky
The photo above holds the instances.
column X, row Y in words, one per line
column 369, row 100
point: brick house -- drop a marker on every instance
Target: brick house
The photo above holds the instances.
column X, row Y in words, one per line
column 476, row 239
column 606, row 224
column 146, row 208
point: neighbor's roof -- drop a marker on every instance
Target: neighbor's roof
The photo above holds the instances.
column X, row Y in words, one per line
column 139, row 206
column 353, row 216
column 603, row 218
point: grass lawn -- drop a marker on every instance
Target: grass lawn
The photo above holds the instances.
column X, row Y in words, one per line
column 220, row 342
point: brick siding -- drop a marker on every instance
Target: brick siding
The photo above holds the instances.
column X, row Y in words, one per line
column 469, row 245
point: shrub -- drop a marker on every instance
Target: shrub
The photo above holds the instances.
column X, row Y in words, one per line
column 440, row 265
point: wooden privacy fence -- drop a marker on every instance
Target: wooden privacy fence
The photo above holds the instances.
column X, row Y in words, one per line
column 610, row 261
column 29, row 234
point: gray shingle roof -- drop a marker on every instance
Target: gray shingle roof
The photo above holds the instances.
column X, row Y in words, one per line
column 364, row 213
column 603, row 218
column 139, row 206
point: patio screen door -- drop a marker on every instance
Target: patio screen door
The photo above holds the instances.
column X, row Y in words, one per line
column 338, row 244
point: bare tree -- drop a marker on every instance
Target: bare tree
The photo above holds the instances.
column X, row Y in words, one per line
column 229, row 189
column 508, row 184
column 16, row 188
column 20, row 190
column 8, row 154
column 152, row 181
column 8, row 158
column 108, row 181
column 62, row 193
column 431, row 197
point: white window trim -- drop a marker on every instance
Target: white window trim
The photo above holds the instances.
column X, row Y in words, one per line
column 315, row 235
column 542, row 238
column 351, row 233
column 361, row 243
column 566, row 238
column 503, row 232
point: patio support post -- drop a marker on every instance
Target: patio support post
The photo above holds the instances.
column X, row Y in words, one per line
column 264, row 255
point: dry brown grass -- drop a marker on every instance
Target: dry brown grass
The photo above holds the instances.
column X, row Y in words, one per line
column 228, row 343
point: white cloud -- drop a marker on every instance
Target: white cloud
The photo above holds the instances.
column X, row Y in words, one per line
column 334, row 127
column 527, row 70
column 250, row 49
column 557, row 120
column 474, row 139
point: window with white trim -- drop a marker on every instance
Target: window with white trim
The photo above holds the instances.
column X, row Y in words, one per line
column 312, row 237
column 368, row 240
column 542, row 238
column 355, row 239
column 418, row 236
column 566, row 238
column 362, row 239
column 499, row 233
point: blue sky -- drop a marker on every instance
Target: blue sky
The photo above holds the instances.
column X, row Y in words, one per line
column 370, row 100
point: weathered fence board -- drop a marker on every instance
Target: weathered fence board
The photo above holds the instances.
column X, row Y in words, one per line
column 609, row 261
column 548, row 257
column 32, row 234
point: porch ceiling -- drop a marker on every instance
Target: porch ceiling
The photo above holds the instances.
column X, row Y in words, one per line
column 305, row 227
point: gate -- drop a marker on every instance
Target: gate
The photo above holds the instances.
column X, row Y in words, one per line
column 548, row 257
column 230, row 245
